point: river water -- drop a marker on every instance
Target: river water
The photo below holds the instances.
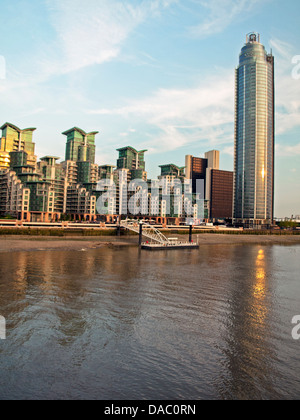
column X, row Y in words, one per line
column 131, row 325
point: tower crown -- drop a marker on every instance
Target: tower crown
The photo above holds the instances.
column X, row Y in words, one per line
column 253, row 38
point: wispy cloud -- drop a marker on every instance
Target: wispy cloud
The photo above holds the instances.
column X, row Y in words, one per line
column 287, row 88
column 204, row 114
column 86, row 33
column 219, row 14
column 288, row 151
column 184, row 116
column 283, row 49
column 94, row 31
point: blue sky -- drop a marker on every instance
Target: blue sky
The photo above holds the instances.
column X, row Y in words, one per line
column 153, row 74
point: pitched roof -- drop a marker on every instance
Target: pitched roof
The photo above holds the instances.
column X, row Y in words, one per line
column 82, row 132
column 16, row 128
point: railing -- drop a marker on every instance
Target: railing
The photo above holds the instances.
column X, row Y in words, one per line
column 149, row 231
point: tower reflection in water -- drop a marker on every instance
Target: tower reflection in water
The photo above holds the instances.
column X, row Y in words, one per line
column 248, row 365
column 260, row 285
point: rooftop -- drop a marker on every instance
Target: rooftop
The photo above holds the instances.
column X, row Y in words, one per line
column 132, row 149
column 173, row 166
column 79, row 130
column 16, row 128
column 50, row 157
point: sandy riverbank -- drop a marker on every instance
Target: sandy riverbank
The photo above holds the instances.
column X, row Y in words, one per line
column 21, row 243
column 32, row 243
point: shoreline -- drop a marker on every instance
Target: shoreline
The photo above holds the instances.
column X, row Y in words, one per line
column 37, row 243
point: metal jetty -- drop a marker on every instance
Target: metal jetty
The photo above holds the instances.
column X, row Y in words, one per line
column 158, row 241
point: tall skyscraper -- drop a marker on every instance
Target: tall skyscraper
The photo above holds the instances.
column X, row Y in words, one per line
column 254, row 135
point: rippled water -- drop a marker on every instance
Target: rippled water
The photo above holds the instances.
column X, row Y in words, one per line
column 125, row 324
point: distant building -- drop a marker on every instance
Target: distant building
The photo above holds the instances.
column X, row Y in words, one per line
column 80, row 145
column 213, row 159
column 195, row 170
column 87, row 173
column 71, row 172
column 46, row 190
column 177, row 201
column 213, row 163
column 81, row 204
column 134, row 161
column 54, row 174
column 106, row 172
column 40, row 192
column 79, row 162
column 217, row 185
column 14, row 197
column 172, row 170
column 171, row 191
column 14, row 139
column 221, row 194
column 130, row 166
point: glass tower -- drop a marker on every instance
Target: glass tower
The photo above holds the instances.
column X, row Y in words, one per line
column 254, row 135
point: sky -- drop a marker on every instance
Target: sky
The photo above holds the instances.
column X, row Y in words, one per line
column 152, row 74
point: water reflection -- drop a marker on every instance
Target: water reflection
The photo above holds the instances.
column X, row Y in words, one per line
column 260, row 286
column 249, row 356
column 127, row 324
column 260, row 306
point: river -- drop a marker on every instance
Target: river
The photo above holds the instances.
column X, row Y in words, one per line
column 131, row 325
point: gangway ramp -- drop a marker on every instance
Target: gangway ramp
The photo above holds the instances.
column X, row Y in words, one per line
column 158, row 240
column 149, row 231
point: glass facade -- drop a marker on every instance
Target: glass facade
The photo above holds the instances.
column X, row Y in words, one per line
column 254, row 133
